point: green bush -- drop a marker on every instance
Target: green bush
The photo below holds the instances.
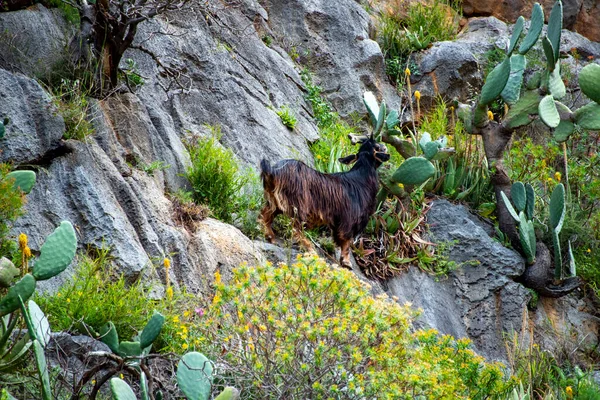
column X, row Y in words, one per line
column 287, row 117
column 72, row 103
column 97, row 294
column 404, row 27
column 310, row 330
column 215, row 175
column 333, row 140
column 11, row 203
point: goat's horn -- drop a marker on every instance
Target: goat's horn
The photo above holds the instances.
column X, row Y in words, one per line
column 357, row 138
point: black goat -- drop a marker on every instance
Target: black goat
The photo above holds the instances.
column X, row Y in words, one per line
column 343, row 201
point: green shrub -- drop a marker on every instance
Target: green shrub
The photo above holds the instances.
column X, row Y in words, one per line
column 97, row 294
column 11, row 204
column 72, row 103
column 333, row 140
column 287, row 117
column 309, row 330
column 404, row 27
column 215, row 175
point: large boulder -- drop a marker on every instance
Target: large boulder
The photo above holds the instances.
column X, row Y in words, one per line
column 34, row 41
column 578, row 15
column 479, row 299
column 35, row 128
column 331, row 38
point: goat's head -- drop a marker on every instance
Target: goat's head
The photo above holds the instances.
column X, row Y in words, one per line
column 370, row 150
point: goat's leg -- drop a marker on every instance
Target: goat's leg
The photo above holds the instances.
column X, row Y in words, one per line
column 267, row 215
column 300, row 238
column 345, row 254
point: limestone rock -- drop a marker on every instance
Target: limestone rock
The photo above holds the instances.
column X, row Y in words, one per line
column 34, row 127
column 332, row 39
column 33, row 41
column 479, row 299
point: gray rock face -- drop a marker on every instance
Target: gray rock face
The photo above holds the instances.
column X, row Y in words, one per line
column 331, row 38
column 33, row 41
column 451, row 69
column 34, row 127
column 476, row 301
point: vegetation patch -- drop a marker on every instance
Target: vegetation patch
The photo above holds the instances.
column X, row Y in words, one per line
column 73, row 105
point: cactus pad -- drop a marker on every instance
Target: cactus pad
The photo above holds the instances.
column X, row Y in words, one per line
column 392, row 120
column 572, row 265
column 110, row 337
column 8, row 272
column 512, row 90
column 518, row 114
column 557, row 207
column 589, row 81
column 414, row 171
column 23, row 289
column 152, row 329
column 588, row 116
column 563, row 131
column 557, row 256
column 549, row 52
column 518, row 196
column 56, row 253
column 530, row 195
column 495, row 82
column 121, row 390
column 24, row 180
column 129, row 349
column 556, row 84
column 194, row 376
column 535, row 28
column 517, row 30
column 555, row 27
column 548, row 112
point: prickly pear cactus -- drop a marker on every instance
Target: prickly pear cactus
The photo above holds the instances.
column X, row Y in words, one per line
column 56, row 253
column 194, row 376
column 121, row 390
column 152, row 330
column 414, row 171
column 523, row 198
column 24, row 180
column 21, row 291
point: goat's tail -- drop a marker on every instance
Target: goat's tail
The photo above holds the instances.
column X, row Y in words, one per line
column 266, row 174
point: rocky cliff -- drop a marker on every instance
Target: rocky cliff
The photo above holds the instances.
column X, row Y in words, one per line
column 233, row 79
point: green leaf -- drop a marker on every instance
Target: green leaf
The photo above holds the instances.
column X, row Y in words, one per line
column 56, row 253
column 121, row 390
column 510, row 208
column 530, row 194
column 24, row 180
column 414, row 171
column 563, row 131
column 194, row 376
column 372, row 106
column 24, row 288
column 518, row 196
column 557, row 207
column 588, row 116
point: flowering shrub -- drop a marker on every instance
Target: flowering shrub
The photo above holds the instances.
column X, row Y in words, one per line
column 310, row 330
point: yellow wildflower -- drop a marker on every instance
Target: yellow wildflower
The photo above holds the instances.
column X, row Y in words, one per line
column 417, row 95
column 68, row 300
column 184, row 346
column 176, row 319
column 490, row 115
column 186, row 313
column 27, row 252
column 557, row 176
column 550, row 180
column 217, row 277
column 407, row 72
column 121, row 376
column 544, row 163
column 22, row 241
column 319, row 156
column 589, row 250
column 169, row 293
column 401, row 186
column 167, row 263
column 569, row 391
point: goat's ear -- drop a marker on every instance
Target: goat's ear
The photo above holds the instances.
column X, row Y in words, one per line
column 382, row 157
column 348, row 159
